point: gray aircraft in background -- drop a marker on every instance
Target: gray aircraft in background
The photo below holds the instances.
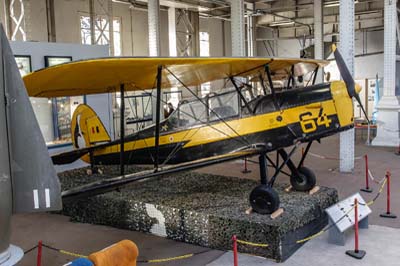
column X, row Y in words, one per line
column 28, row 180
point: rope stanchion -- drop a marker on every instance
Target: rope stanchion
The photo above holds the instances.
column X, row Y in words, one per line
column 235, row 251
column 356, row 253
column 245, row 170
column 367, row 188
column 39, row 253
column 388, row 214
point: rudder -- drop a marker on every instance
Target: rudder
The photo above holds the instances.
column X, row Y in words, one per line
column 87, row 128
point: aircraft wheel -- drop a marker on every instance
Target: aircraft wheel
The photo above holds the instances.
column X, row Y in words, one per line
column 264, row 199
column 305, row 181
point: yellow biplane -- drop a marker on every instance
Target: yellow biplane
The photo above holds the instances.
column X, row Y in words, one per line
column 207, row 130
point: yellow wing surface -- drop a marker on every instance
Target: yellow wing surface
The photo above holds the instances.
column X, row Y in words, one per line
column 106, row 74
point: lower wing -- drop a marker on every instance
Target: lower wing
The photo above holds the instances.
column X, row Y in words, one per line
column 106, row 185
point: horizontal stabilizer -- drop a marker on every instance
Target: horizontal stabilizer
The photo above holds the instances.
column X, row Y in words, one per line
column 69, row 156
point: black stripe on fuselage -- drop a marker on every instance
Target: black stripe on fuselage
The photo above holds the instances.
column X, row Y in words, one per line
column 272, row 139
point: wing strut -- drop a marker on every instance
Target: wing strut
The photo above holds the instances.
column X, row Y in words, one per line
column 241, row 95
column 271, row 85
column 263, row 85
column 158, row 110
column 315, row 76
column 122, row 130
column 291, row 78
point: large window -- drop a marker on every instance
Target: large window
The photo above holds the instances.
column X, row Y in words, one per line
column 101, row 31
column 205, row 51
column 62, row 107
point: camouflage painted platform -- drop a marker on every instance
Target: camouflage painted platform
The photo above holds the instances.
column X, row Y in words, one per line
column 202, row 209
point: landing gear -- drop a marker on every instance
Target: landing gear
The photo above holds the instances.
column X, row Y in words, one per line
column 304, row 181
column 264, row 199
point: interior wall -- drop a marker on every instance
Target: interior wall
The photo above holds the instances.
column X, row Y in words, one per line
column 37, row 51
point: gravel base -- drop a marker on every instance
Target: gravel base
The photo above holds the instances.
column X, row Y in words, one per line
column 199, row 208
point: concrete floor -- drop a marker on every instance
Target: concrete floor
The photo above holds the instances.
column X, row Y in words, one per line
column 57, row 231
column 319, row 252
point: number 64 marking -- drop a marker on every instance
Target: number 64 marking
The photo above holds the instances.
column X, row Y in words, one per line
column 309, row 123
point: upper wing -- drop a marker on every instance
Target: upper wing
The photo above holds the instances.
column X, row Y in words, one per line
column 110, row 184
column 106, row 74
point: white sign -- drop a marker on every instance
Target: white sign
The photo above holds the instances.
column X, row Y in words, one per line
column 345, row 209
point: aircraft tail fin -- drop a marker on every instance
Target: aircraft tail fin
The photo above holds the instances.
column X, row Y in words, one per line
column 87, row 128
column 28, row 180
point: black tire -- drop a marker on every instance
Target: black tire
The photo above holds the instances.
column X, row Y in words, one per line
column 264, row 199
column 305, row 181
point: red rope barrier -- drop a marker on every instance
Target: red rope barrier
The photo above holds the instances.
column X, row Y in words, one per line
column 39, row 254
column 388, row 214
column 235, row 251
column 367, row 188
column 245, row 170
column 356, row 225
column 356, row 253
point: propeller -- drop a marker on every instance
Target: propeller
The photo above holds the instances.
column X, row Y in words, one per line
column 352, row 88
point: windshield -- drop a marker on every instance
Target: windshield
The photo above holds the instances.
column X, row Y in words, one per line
column 213, row 107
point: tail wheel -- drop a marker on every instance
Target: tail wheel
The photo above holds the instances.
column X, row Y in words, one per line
column 264, row 199
column 304, row 181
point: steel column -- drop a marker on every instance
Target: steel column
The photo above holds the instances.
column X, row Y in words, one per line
column 51, row 24
column 122, row 130
column 92, row 22
column 111, row 26
column 251, row 32
column 172, row 31
column 154, row 27
column 237, row 28
column 319, row 35
column 346, row 30
column 7, row 19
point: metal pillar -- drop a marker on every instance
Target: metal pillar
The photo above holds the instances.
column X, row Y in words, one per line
column 172, row 31
column 92, row 22
column 319, row 36
column 7, row 19
column 389, row 107
column 346, row 30
column 110, row 26
column 122, row 130
column 251, row 32
column 51, row 24
column 195, row 42
column 237, row 28
column 154, row 27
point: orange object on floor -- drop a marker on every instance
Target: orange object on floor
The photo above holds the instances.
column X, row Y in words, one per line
column 123, row 253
